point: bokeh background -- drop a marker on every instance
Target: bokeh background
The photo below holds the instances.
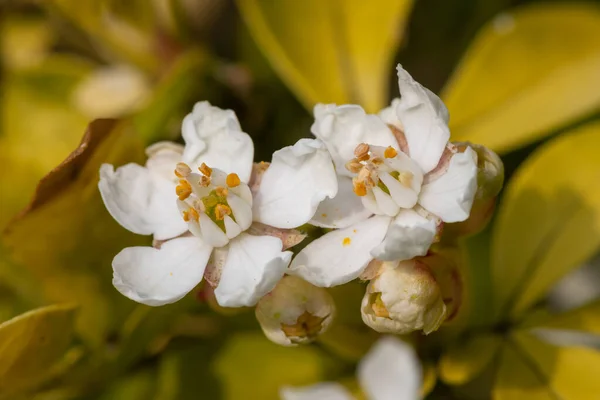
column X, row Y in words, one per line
column 515, row 74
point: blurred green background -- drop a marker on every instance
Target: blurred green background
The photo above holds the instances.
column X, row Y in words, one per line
column 521, row 77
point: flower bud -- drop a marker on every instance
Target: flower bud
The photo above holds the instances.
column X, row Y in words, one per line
column 295, row 312
column 490, row 179
column 404, row 297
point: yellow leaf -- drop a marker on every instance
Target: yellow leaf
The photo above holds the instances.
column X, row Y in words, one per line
column 584, row 319
column 528, row 72
column 570, row 373
column 516, row 379
column 65, row 239
column 330, row 51
column 31, row 344
column 548, row 222
column 464, row 361
column 250, row 364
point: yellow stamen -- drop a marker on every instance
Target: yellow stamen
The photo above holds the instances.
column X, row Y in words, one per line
column 191, row 214
column 205, row 169
column 307, row 325
column 390, row 152
column 221, row 191
column 361, row 151
column 346, row 241
column 221, row 210
column 354, row 166
column 182, row 170
column 183, row 190
column 360, row 189
column 204, row 181
column 232, row 180
column 378, row 306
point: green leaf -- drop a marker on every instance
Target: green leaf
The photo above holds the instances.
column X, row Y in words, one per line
column 250, row 364
column 527, row 73
column 462, row 362
column 547, row 223
column 531, row 367
column 31, row 344
column 330, row 51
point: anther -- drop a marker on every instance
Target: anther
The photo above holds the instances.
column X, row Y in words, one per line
column 354, row 166
column 221, row 210
column 191, row 214
column 232, row 180
column 205, row 169
column 360, row 189
column 204, row 181
column 183, row 190
column 390, row 152
column 362, row 152
column 182, row 170
column 221, row 191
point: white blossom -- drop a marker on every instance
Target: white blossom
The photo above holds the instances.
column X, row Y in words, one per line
column 295, row 312
column 196, row 202
column 389, row 371
column 398, row 177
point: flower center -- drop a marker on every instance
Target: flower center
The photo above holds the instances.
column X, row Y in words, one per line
column 213, row 199
column 307, row 326
column 386, row 179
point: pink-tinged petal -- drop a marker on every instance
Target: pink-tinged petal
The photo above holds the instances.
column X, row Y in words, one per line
column 252, row 268
column 425, row 120
column 450, row 196
column 160, row 276
column 341, row 255
column 291, row 189
column 342, row 128
column 141, row 201
column 345, row 209
column 409, row 235
column 390, row 371
column 213, row 136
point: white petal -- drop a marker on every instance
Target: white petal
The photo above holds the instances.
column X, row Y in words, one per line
column 425, row 120
column 214, row 136
column 389, row 115
column 344, row 127
column 298, row 179
column 253, row 267
column 390, row 371
column 232, row 229
column 370, row 203
column 211, row 233
column 403, row 196
column 385, row 202
column 141, row 201
column 450, row 197
column 242, row 211
column 319, row 391
column 162, row 159
column 341, row 255
column 409, row 235
column 160, row 276
column 345, row 209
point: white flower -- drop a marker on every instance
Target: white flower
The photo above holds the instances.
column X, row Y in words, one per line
column 398, row 167
column 295, row 312
column 201, row 218
column 402, row 298
column 389, row 371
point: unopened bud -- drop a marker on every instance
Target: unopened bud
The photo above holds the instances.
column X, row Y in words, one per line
column 404, row 297
column 295, row 312
column 490, row 179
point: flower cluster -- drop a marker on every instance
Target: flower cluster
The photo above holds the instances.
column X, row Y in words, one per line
column 381, row 187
